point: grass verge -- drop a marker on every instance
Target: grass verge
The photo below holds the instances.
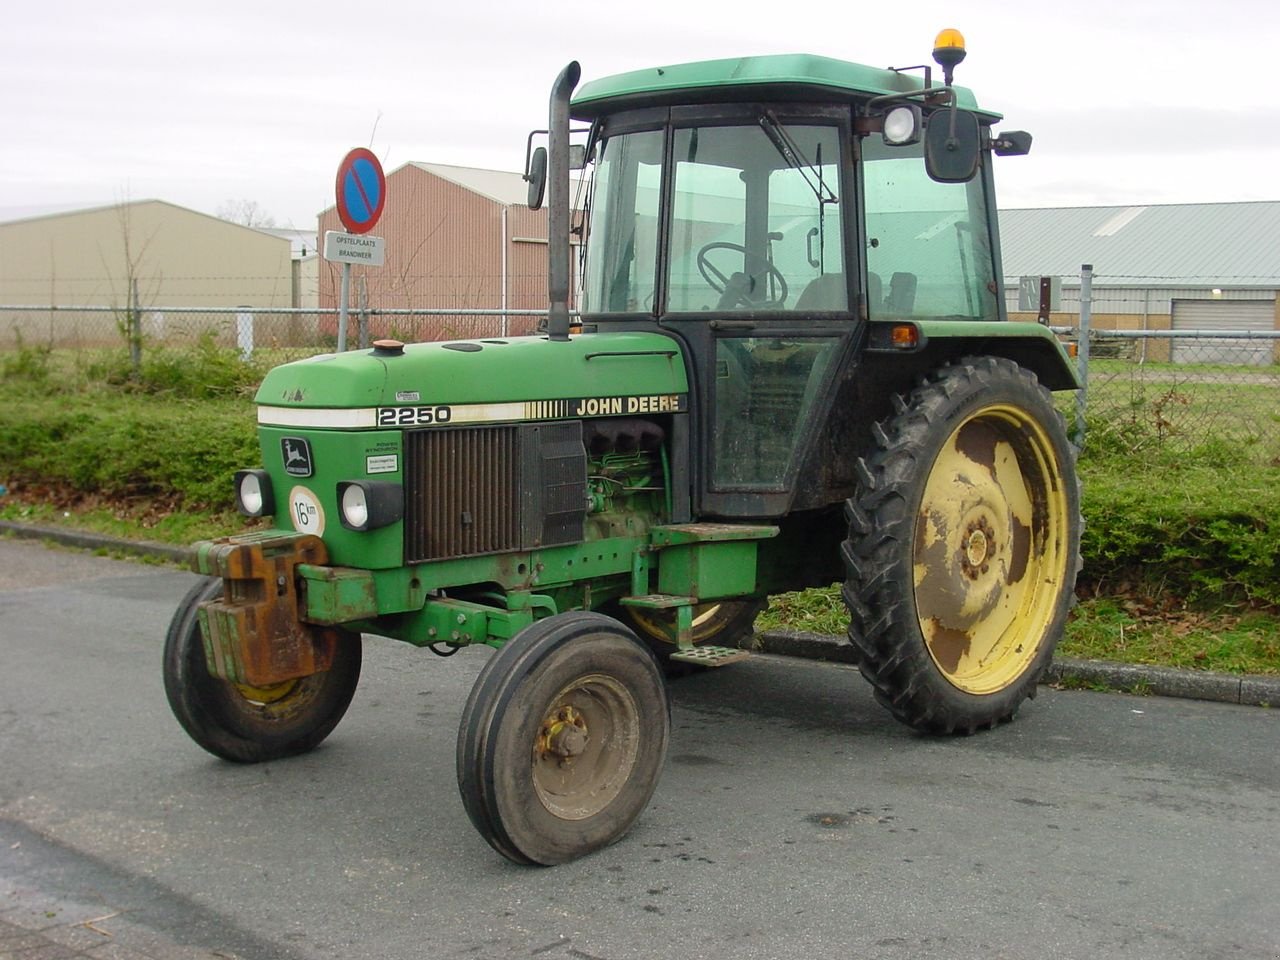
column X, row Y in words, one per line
column 1182, row 550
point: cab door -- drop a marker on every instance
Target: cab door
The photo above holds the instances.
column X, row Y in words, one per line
column 757, row 282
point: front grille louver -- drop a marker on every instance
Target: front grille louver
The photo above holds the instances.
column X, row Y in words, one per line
column 472, row 491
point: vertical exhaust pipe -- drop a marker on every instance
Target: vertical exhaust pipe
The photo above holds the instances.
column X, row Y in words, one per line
column 558, row 203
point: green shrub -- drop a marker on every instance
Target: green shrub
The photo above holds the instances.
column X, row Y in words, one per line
column 1196, row 529
column 130, row 447
column 29, row 363
column 201, row 372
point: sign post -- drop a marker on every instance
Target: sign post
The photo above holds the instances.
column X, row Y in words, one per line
column 361, row 191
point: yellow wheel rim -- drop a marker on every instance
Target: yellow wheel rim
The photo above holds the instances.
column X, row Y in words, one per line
column 990, row 551
column 708, row 619
column 266, row 695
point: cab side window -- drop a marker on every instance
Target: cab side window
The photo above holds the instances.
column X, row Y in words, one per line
column 929, row 252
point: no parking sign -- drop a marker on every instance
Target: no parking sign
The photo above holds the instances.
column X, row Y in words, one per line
column 361, row 190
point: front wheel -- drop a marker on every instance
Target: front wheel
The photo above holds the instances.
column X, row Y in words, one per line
column 963, row 548
column 562, row 739
column 250, row 724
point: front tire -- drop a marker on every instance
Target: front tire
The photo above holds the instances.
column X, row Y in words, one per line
column 562, row 739
column 963, row 548
column 251, row 724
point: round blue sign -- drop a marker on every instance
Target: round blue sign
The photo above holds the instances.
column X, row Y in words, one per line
column 361, row 190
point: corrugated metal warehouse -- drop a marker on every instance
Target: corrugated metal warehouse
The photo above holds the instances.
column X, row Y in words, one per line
column 180, row 258
column 173, row 256
column 1190, row 266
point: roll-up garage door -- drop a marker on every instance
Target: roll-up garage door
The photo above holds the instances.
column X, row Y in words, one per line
column 1224, row 315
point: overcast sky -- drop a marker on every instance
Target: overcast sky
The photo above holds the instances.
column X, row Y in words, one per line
column 1130, row 101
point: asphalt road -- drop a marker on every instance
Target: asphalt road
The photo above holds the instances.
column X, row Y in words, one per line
column 795, row 819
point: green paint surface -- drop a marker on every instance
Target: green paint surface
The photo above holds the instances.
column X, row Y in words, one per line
column 829, row 78
column 486, row 371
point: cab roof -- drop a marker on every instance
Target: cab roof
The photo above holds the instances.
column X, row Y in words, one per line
column 797, row 76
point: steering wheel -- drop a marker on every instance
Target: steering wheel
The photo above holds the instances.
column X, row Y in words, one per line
column 738, row 288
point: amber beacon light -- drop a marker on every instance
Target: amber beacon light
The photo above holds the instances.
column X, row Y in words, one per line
column 948, row 50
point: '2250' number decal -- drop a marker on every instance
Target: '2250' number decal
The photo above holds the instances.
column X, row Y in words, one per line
column 412, row 416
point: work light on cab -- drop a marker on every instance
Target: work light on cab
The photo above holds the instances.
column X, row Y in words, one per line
column 253, row 493
column 902, row 125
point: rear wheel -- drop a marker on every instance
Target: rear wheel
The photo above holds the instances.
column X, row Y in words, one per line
column 562, row 739
column 251, row 724
column 963, row 549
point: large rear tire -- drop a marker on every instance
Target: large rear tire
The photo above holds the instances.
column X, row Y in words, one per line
column 963, row 548
column 562, row 739
column 251, row 724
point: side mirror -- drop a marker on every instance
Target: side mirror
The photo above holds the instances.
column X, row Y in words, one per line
column 536, row 175
column 577, row 156
column 952, row 145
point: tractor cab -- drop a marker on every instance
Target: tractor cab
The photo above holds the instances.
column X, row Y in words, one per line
column 776, row 215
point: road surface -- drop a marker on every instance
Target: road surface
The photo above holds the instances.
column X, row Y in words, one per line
column 795, row 819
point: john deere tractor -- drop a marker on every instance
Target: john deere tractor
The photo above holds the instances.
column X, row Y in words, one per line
column 791, row 367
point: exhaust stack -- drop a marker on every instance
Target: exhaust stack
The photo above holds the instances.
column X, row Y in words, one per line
column 558, row 203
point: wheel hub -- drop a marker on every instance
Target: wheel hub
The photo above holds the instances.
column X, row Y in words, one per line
column 977, row 548
column 564, row 735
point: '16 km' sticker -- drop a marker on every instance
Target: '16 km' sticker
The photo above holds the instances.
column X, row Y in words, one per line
column 305, row 511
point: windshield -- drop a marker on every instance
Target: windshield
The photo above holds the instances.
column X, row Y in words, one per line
column 755, row 224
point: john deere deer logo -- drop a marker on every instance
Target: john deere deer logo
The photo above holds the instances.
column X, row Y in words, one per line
column 297, row 456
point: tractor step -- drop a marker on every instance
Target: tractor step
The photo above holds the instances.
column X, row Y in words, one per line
column 709, row 656
column 658, row 601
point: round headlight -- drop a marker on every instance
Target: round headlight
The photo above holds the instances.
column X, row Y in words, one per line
column 355, row 508
column 253, row 493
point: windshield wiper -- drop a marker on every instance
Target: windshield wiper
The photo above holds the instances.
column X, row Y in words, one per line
column 790, row 151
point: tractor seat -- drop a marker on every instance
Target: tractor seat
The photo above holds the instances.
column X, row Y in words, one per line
column 827, row 292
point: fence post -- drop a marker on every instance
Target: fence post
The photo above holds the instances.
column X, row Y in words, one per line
column 344, row 302
column 244, row 331
column 1082, row 357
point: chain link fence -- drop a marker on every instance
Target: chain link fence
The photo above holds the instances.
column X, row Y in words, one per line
column 90, row 341
column 1185, row 367
column 1166, row 362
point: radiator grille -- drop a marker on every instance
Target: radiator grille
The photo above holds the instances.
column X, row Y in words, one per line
column 480, row 490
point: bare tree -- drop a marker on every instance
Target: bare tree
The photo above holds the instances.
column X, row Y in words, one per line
column 247, row 213
column 132, row 250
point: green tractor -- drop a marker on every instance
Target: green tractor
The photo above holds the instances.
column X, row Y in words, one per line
column 794, row 368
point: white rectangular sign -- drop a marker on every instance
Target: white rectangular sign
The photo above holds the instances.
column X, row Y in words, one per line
column 355, row 248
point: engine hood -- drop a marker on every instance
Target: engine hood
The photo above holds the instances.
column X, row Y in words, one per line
column 479, row 381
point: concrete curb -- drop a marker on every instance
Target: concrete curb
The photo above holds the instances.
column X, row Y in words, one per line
column 97, row 541
column 1138, row 678
column 1123, row 677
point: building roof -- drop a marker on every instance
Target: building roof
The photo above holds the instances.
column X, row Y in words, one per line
column 59, row 210
column 1159, row 245
column 501, row 186
column 302, row 243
